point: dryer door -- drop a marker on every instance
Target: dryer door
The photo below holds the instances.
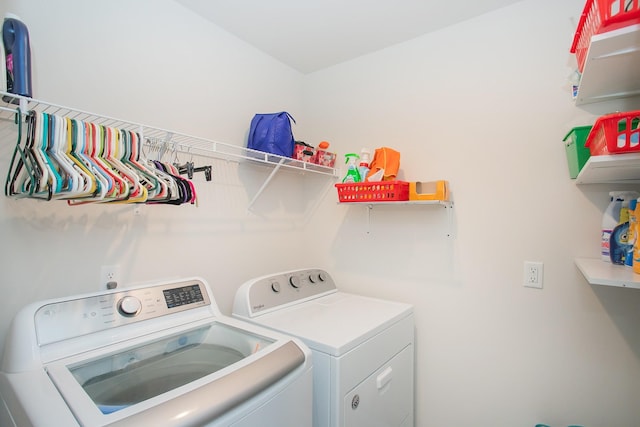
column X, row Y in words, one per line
column 385, row 398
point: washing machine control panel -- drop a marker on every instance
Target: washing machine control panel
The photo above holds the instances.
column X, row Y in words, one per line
column 270, row 292
column 66, row 319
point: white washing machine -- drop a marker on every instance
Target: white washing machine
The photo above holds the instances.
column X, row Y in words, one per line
column 157, row 355
column 363, row 348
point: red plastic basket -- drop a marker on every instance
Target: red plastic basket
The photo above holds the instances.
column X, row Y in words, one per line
column 615, row 133
column 600, row 16
column 383, row 191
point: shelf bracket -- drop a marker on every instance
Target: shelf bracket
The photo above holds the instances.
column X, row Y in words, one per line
column 447, row 205
column 266, row 182
column 164, row 145
column 369, row 209
column 449, row 208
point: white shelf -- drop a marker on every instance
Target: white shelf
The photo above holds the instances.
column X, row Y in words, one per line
column 611, row 72
column 598, row 272
column 611, row 67
column 162, row 141
column 614, row 169
column 370, row 205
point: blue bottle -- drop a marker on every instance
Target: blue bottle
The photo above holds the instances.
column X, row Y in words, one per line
column 15, row 37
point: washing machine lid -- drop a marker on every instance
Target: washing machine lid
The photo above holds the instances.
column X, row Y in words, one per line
column 335, row 323
column 187, row 377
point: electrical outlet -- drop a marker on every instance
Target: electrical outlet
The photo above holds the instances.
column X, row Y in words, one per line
column 109, row 276
column 533, row 273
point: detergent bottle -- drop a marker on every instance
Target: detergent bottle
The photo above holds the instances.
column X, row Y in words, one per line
column 363, row 167
column 632, row 234
column 616, row 219
column 15, row 37
column 636, row 244
column 3, row 69
column 352, row 174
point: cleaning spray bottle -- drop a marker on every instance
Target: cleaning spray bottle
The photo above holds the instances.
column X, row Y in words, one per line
column 352, row 174
column 363, row 167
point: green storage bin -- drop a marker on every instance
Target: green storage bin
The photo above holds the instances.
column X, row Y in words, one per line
column 577, row 153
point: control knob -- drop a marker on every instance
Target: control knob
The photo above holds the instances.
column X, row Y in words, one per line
column 320, row 277
column 275, row 287
column 294, row 281
column 129, row 306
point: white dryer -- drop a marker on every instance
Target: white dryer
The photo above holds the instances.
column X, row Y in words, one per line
column 363, row 348
column 158, row 355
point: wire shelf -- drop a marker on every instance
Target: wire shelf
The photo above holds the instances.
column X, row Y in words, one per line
column 159, row 139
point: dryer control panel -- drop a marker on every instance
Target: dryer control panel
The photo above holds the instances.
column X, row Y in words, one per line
column 267, row 293
column 64, row 319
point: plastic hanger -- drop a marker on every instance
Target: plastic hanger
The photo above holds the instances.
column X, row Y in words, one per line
column 86, row 148
column 59, row 157
column 59, row 143
column 24, row 172
column 137, row 193
column 78, row 143
column 120, row 189
column 90, row 181
column 89, row 152
column 145, row 175
column 50, row 155
column 39, row 149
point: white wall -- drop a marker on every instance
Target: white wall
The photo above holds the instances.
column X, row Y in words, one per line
column 156, row 63
column 483, row 104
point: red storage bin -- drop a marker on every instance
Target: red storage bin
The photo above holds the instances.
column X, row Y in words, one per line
column 381, row 191
column 615, row 133
column 600, row 16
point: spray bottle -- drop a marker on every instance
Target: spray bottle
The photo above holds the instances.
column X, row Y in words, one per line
column 363, row 167
column 352, row 174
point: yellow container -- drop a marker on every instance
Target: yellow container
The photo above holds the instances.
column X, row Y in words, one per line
column 636, row 244
column 432, row 190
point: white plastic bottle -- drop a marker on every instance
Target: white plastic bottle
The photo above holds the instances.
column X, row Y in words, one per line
column 363, row 167
column 612, row 217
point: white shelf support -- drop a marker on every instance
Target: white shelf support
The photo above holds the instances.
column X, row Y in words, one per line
column 446, row 204
column 449, row 208
column 264, row 184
